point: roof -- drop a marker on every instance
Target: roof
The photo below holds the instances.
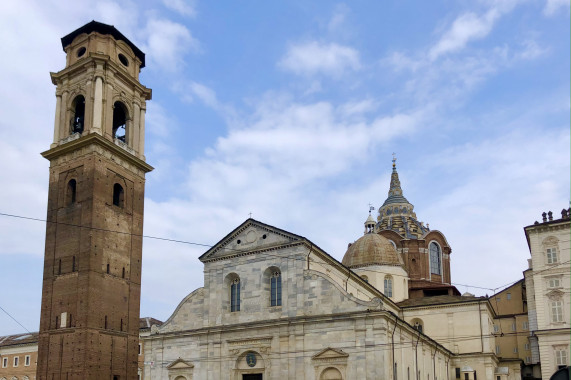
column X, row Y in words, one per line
column 438, row 300
column 19, row 339
column 101, row 28
column 147, row 322
column 371, row 249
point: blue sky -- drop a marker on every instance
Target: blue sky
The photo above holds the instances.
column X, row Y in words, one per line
column 291, row 111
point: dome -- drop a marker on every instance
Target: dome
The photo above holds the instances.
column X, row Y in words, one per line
column 371, row 249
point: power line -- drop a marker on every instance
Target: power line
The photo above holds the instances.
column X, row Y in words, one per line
column 200, row 244
column 14, row 319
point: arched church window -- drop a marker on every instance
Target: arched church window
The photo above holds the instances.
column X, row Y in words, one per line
column 118, row 195
column 235, row 295
column 435, row 262
column 119, row 122
column 71, row 191
column 276, row 289
column 78, row 121
column 388, row 286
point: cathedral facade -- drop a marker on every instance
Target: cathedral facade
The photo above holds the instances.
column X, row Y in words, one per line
column 276, row 306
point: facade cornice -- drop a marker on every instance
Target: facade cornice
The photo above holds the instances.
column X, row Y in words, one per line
column 96, row 139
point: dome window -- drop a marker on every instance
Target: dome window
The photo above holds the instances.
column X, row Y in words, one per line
column 435, row 261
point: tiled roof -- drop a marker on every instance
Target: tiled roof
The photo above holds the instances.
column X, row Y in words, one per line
column 438, row 300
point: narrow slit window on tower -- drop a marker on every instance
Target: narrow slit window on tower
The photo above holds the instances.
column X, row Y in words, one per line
column 70, row 320
column 57, row 321
column 78, row 121
column 107, row 268
column 73, row 264
column 119, row 122
column 123, row 273
column 71, row 193
column 59, row 267
column 105, row 323
column 121, row 327
column 118, row 195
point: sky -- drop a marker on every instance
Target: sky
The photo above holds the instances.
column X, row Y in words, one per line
column 291, row 111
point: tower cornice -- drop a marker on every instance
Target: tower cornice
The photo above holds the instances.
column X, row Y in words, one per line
column 93, row 60
column 94, row 138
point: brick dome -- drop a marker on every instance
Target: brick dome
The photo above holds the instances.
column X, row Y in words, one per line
column 371, row 249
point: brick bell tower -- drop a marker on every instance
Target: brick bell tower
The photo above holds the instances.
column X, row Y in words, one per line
column 92, row 266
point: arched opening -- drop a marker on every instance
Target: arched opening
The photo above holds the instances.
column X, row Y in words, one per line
column 388, row 286
column 118, row 195
column 120, row 122
column 435, row 254
column 331, row 374
column 78, row 121
column 71, row 192
column 417, row 324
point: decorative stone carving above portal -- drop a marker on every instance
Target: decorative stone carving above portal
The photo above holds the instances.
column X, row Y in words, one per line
column 330, row 363
column 180, row 370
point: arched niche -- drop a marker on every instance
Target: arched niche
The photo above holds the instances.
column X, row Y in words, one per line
column 252, row 364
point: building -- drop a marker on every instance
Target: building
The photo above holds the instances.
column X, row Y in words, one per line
column 548, row 291
column 511, row 328
column 89, row 325
column 19, row 353
column 274, row 305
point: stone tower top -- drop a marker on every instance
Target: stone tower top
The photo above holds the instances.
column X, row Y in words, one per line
column 96, row 38
column 99, row 96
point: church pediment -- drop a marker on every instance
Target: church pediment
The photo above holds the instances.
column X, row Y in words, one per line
column 330, row 354
column 555, row 295
column 250, row 236
column 180, row 364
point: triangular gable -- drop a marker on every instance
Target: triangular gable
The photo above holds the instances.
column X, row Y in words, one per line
column 180, row 364
column 251, row 235
column 330, row 353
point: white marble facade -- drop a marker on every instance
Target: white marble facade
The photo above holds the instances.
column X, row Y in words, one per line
column 331, row 323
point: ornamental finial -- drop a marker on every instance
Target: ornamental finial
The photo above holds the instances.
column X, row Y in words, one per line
column 394, row 160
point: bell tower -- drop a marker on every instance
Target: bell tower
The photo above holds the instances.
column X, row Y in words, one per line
column 89, row 322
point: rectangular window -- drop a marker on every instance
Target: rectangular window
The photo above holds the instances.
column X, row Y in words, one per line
column 551, row 255
column 553, row 283
column 27, row 360
column 498, row 298
column 140, row 348
column 561, row 357
column 496, row 328
column 466, row 376
column 235, row 296
column 525, row 325
column 497, row 349
column 515, row 350
column 527, row 359
column 509, row 296
column 513, row 326
column 276, row 289
column 557, row 311
column 457, row 373
column 16, row 361
column 4, row 362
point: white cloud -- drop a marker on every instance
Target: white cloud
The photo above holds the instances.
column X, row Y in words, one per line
column 465, row 28
column 338, row 19
column 168, row 42
column 184, row 7
column 315, row 57
column 552, row 7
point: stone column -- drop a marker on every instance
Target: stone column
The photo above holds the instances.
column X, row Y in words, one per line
column 97, row 106
column 134, row 138
column 142, row 134
column 57, row 121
